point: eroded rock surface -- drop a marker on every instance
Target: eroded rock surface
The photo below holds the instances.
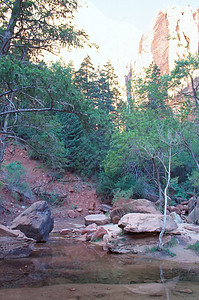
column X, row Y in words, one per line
column 14, row 244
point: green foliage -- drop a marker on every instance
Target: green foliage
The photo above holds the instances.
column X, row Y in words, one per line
column 180, row 190
column 194, row 247
column 14, row 177
column 120, row 194
column 74, row 120
column 1, row 185
column 151, row 90
column 169, row 252
column 41, row 24
column 194, row 179
column 186, row 69
column 166, row 247
column 173, row 242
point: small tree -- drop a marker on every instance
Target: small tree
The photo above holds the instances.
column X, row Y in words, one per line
column 171, row 139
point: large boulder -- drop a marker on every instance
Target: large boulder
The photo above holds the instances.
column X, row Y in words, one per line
column 14, row 244
column 192, row 203
column 140, row 223
column 193, row 216
column 35, row 222
column 132, row 206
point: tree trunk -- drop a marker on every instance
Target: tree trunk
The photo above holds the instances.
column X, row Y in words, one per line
column 159, row 183
column 3, row 140
column 7, row 38
column 160, row 245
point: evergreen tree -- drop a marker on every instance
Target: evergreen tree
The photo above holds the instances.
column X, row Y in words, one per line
column 85, row 77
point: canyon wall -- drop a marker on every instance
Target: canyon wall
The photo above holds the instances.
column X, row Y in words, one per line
column 172, row 36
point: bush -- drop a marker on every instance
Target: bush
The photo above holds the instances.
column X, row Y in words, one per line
column 14, row 177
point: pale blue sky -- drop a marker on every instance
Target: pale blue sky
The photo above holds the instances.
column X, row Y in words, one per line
column 138, row 12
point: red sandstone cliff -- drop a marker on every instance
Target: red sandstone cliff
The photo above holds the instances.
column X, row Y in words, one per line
column 173, row 35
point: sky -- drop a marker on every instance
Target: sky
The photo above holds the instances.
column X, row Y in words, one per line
column 137, row 12
column 116, row 26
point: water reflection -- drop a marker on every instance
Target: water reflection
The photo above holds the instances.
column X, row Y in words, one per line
column 64, row 263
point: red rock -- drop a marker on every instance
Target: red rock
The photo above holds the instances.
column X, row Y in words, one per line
column 71, row 214
column 115, row 219
column 180, row 206
column 175, row 209
column 90, row 228
column 65, row 231
column 99, row 234
column 155, row 41
column 132, row 206
column 92, row 206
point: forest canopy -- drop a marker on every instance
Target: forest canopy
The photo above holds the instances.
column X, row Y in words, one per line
column 78, row 120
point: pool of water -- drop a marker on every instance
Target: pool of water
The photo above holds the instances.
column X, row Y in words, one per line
column 68, row 269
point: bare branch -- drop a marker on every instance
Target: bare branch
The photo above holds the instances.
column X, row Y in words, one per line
column 16, row 90
column 42, row 110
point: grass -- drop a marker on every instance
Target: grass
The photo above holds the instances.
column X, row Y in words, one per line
column 166, row 247
column 194, row 247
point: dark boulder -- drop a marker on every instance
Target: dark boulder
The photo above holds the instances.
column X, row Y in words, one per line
column 35, row 222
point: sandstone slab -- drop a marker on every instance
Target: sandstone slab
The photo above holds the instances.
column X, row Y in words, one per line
column 139, row 223
column 99, row 219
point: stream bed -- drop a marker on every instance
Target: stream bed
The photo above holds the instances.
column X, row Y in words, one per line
column 69, row 269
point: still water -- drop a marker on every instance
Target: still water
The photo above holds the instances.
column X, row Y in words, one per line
column 68, row 269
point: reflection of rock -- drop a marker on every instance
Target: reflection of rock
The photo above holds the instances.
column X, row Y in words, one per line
column 153, row 289
column 35, row 222
column 139, row 223
column 99, row 219
column 123, row 207
column 14, row 244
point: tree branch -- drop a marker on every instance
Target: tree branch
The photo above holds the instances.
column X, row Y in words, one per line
column 16, row 90
column 41, row 110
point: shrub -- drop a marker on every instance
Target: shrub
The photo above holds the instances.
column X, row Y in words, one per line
column 14, row 177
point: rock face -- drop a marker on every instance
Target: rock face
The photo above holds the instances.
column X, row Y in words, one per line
column 142, row 223
column 14, row 244
column 35, row 222
column 173, row 35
